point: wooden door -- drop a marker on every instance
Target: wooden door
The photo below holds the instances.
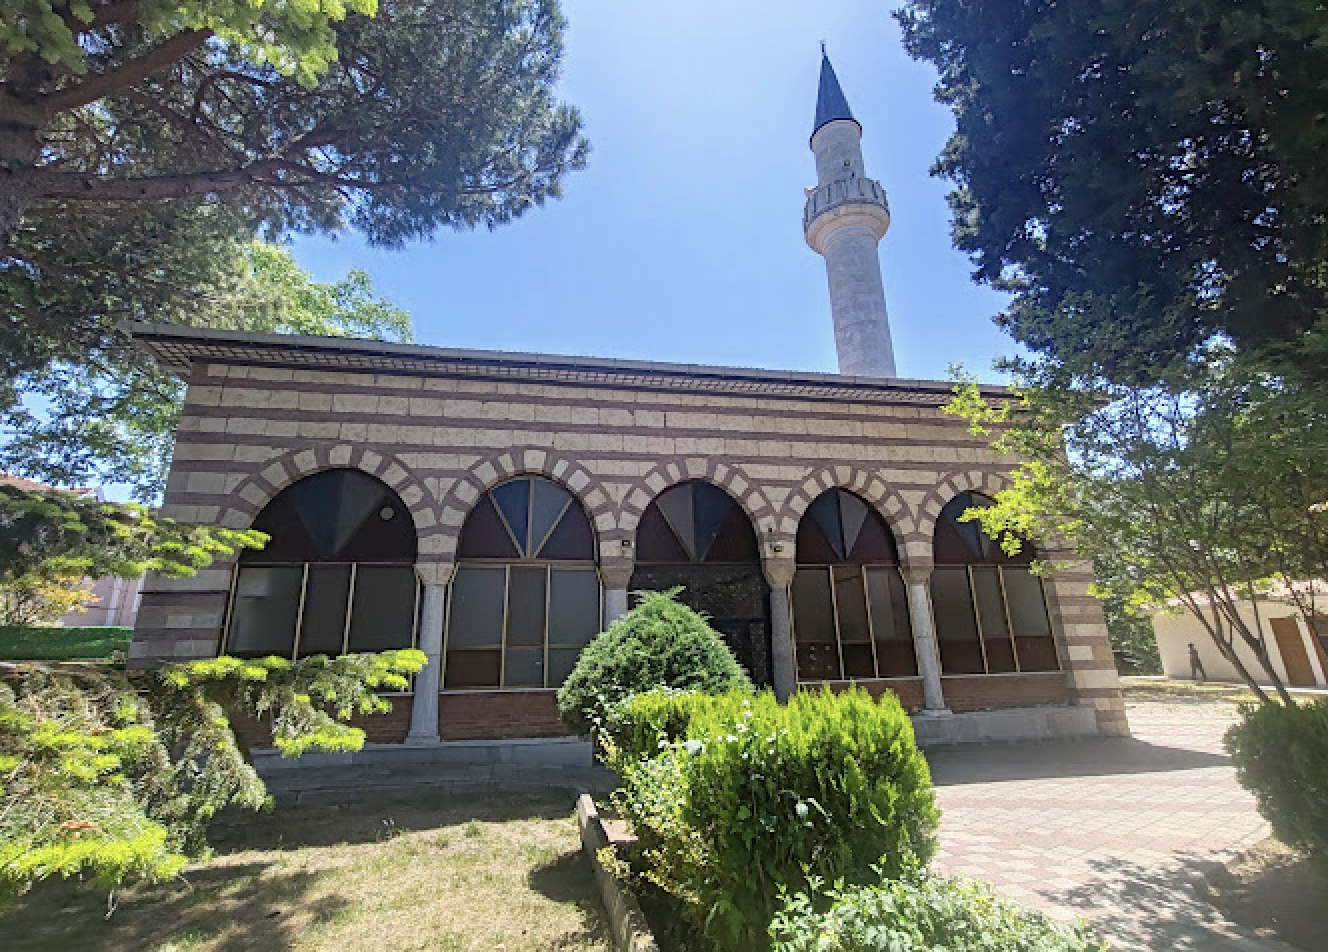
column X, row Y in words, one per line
column 1291, row 645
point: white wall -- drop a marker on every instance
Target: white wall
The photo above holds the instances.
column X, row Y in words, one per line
column 1175, row 632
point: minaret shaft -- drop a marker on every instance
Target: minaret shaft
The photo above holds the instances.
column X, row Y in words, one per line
column 845, row 217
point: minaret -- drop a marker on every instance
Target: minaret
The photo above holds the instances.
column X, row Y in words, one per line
column 844, row 219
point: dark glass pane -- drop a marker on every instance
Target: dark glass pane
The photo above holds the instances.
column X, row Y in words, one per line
column 712, row 507
column 525, row 606
column 991, row 611
column 956, row 625
column 1037, row 654
column 875, row 542
column 818, row 662
column 267, row 601
column 561, row 662
column 550, row 500
column 655, row 539
column 382, row 614
column 736, row 542
column 813, row 548
column 574, row 614
column 288, row 540
column 572, row 539
column 851, row 602
column 324, row 625
column 858, row 662
column 524, row 667
column 677, row 505
column 1028, row 608
column 853, row 514
column 964, row 543
column 513, row 501
column 473, row 669
column 336, row 515
column 484, row 536
column 824, row 511
column 477, row 607
column 895, row 657
column 813, row 613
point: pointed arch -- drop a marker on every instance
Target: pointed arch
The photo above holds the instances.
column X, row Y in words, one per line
column 258, row 489
column 489, row 471
column 723, row 475
column 951, row 485
column 887, row 501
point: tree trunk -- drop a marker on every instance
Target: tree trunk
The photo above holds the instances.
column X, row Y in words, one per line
column 20, row 148
column 18, row 190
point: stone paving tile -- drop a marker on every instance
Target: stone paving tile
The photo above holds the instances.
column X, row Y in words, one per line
column 1115, row 831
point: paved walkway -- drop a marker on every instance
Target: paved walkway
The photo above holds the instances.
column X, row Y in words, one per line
column 1115, row 831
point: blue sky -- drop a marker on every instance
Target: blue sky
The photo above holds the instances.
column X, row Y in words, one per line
column 682, row 239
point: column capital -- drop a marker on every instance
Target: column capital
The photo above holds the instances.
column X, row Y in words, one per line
column 779, row 572
column 432, row 572
column 917, row 572
column 616, row 573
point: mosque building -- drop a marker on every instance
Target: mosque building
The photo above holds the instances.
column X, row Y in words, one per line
column 495, row 510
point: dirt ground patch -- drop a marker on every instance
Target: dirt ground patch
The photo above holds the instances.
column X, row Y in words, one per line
column 1275, row 892
column 451, row 875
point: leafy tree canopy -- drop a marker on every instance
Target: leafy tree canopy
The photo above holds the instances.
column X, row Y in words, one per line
column 1143, row 174
column 65, row 534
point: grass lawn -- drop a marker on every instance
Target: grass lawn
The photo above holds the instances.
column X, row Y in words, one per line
column 63, row 644
column 1188, row 692
column 486, row 872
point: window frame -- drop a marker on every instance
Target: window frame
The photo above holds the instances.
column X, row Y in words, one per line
column 861, row 568
column 304, row 588
column 1012, row 634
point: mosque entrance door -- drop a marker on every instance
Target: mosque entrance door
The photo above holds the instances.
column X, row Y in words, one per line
column 694, row 535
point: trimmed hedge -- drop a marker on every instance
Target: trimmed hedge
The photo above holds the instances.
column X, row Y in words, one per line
column 51, row 643
column 659, row 643
column 922, row 913
column 1281, row 756
column 737, row 799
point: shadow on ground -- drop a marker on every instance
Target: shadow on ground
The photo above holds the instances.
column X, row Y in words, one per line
column 985, row 763
column 569, row 879
column 237, row 908
column 1162, row 907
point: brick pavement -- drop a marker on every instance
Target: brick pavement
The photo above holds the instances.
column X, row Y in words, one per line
column 1116, row 831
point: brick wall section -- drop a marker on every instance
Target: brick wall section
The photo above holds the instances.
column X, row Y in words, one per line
column 441, row 440
column 970, row 693
column 494, row 715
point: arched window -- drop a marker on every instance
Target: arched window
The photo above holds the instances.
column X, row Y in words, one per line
column 991, row 611
column 526, row 596
column 336, row 576
column 850, row 608
column 695, row 535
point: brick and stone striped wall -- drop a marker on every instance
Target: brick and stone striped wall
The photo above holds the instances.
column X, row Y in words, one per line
column 441, row 440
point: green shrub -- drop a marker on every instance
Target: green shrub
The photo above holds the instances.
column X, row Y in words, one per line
column 659, row 643
column 755, row 799
column 921, row 913
column 1281, row 756
column 52, row 643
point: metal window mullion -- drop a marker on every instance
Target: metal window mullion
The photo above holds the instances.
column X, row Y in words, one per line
column 350, row 604
column 548, row 600
column 502, row 651
column 230, row 608
column 299, row 614
column 537, row 545
column 977, row 618
column 834, row 613
column 871, row 625
column 1009, row 620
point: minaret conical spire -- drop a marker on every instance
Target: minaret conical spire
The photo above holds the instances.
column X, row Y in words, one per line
column 845, row 216
column 830, row 101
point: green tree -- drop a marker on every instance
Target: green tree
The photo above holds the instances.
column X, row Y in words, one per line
column 111, row 777
column 109, row 414
column 1204, row 490
column 146, row 143
column 1142, row 174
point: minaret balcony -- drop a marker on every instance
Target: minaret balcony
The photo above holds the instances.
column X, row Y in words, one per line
column 859, row 201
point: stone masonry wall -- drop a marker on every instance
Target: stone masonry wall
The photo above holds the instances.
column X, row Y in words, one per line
column 247, row 432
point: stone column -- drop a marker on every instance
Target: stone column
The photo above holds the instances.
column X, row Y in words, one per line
column 918, row 580
column 615, row 577
column 783, row 667
column 424, row 712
